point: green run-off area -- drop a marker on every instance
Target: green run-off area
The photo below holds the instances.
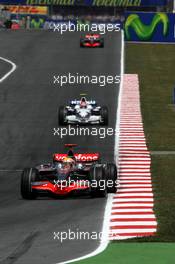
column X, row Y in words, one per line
column 135, row 253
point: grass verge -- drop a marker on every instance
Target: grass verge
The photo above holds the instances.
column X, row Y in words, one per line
column 155, row 67
column 135, row 253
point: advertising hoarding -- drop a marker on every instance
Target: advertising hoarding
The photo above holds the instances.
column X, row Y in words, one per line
column 150, row 27
column 28, row 10
column 117, row 3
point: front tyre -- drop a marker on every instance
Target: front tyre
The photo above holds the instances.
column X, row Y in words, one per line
column 102, row 43
column 62, row 113
column 111, row 177
column 28, row 176
column 104, row 115
column 81, row 43
column 98, row 181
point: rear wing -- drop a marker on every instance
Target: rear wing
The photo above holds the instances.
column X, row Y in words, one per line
column 75, row 102
column 92, row 36
column 85, row 157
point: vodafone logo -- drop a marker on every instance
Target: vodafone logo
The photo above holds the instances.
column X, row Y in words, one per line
column 79, row 157
column 86, row 157
column 59, row 157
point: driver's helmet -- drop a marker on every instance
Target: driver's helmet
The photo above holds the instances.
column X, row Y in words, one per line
column 83, row 103
column 68, row 163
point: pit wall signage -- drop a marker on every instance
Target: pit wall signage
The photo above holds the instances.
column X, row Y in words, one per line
column 149, row 27
column 112, row 3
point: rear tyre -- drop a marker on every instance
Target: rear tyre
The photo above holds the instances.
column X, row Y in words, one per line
column 62, row 113
column 111, row 177
column 102, row 43
column 81, row 44
column 98, row 181
column 28, row 176
column 104, row 115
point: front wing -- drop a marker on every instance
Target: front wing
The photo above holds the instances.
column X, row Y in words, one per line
column 73, row 119
column 94, row 44
column 61, row 189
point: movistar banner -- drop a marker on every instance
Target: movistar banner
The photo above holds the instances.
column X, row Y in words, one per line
column 150, row 27
column 119, row 3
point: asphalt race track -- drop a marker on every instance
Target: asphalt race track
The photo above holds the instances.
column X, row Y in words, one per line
column 28, row 114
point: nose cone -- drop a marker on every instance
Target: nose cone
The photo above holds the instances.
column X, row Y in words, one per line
column 84, row 113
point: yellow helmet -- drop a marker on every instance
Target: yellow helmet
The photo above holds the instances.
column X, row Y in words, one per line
column 68, row 160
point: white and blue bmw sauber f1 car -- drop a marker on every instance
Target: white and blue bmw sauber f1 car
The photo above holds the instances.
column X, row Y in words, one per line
column 83, row 112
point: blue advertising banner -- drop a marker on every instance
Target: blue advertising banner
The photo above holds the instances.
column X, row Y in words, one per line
column 150, row 27
column 119, row 3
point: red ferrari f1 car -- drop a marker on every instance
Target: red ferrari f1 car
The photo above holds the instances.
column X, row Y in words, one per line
column 92, row 41
column 70, row 174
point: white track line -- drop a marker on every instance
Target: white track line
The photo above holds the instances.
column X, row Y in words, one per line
column 133, row 194
column 134, row 181
column 135, row 178
column 116, row 146
column 135, row 189
column 132, row 210
column 135, row 230
column 105, row 234
column 105, row 230
column 130, row 223
column 136, row 216
column 9, row 72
